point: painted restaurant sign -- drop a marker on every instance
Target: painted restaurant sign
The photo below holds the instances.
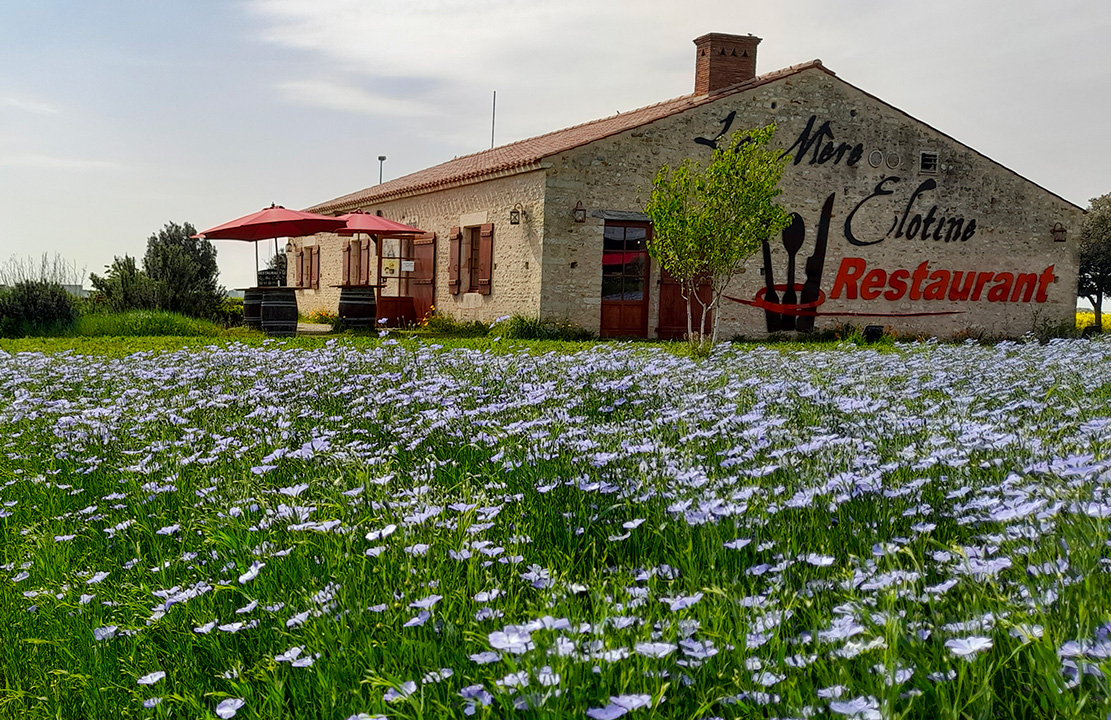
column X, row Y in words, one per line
column 793, row 304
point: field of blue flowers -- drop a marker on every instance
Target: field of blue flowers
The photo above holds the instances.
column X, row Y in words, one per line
column 413, row 531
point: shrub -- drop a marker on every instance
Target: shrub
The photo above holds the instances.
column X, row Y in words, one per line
column 472, row 328
column 137, row 323
column 36, row 307
column 520, row 327
column 230, row 312
column 54, row 269
column 440, row 324
column 124, row 287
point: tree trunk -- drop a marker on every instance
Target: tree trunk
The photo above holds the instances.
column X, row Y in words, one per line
column 1097, row 309
column 715, row 305
column 704, row 344
column 690, row 311
column 701, row 321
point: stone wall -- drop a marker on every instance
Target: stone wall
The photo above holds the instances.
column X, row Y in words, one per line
column 855, row 160
column 517, row 249
column 325, row 296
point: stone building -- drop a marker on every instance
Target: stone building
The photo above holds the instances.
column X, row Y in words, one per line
column 897, row 224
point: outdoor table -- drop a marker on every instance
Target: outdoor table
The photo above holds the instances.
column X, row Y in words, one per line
column 358, row 305
column 271, row 308
column 277, row 305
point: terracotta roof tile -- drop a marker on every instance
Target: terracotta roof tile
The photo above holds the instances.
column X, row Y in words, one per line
column 527, row 152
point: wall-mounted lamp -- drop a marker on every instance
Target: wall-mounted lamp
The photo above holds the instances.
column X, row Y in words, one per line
column 579, row 213
column 515, row 214
column 289, row 247
column 1058, row 232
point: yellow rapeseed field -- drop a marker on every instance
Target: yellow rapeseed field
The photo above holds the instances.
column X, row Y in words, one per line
column 1084, row 318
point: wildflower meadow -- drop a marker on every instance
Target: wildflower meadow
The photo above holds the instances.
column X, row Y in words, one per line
column 404, row 530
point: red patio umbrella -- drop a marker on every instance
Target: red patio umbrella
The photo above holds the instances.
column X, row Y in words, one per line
column 361, row 222
column 272, row 223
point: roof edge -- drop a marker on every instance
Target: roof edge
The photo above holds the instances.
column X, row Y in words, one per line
column 699, row 100
column 368, row 195
column 422, row 189
column 963, row 144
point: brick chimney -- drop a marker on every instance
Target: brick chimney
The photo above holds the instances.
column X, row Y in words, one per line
column 723, row 60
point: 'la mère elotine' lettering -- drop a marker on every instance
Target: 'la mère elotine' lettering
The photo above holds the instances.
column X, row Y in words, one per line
column 929, row 227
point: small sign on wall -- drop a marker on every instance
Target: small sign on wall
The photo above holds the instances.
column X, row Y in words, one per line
column 408, row 265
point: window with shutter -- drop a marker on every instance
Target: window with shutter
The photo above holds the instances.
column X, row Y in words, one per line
column 346, row 262
column 485, row 259
column 306, row 268
column 455, row 239
column 315, row 274
column 299, row 265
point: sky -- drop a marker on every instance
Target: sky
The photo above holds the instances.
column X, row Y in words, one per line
column 119, row 116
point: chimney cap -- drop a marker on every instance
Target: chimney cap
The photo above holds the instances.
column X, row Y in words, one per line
column 726, row 36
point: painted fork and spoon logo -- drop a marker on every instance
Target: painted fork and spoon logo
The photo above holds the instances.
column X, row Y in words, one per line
column 797, row 309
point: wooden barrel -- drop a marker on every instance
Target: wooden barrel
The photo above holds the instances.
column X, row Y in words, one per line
column 252, row 309
column 279, row 312
column 358, row 308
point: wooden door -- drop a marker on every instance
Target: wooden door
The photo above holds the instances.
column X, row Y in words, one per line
column 625, row 274
column 672, row 321
column 422, row 281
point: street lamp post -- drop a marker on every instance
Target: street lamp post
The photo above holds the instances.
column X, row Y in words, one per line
column 381, row 161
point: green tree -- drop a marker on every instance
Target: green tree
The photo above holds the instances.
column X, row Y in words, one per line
column 1094, row 281
column 184, row 270
column 124, row 287
column 706, row 222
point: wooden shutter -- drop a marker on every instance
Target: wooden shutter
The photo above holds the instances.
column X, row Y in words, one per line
column 364, row 261
column 346, row 262
column 315, row 275
column 298, row 261
column 485, row 259
column 455, row 239
column 422, row 281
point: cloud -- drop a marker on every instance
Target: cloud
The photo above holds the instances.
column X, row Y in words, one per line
column 56, row 163
column 417, row 38
column 557, row 63
column 553, row 64
column 31, row 106
column 338, row 95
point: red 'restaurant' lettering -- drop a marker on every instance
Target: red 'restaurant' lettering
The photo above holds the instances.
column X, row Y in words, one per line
column 847, row 276
column 855, row 279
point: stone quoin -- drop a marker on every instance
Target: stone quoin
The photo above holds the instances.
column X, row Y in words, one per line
column 902, row 222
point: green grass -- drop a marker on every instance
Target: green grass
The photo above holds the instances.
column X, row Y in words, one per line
column 850, row 469
column 142, row 323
